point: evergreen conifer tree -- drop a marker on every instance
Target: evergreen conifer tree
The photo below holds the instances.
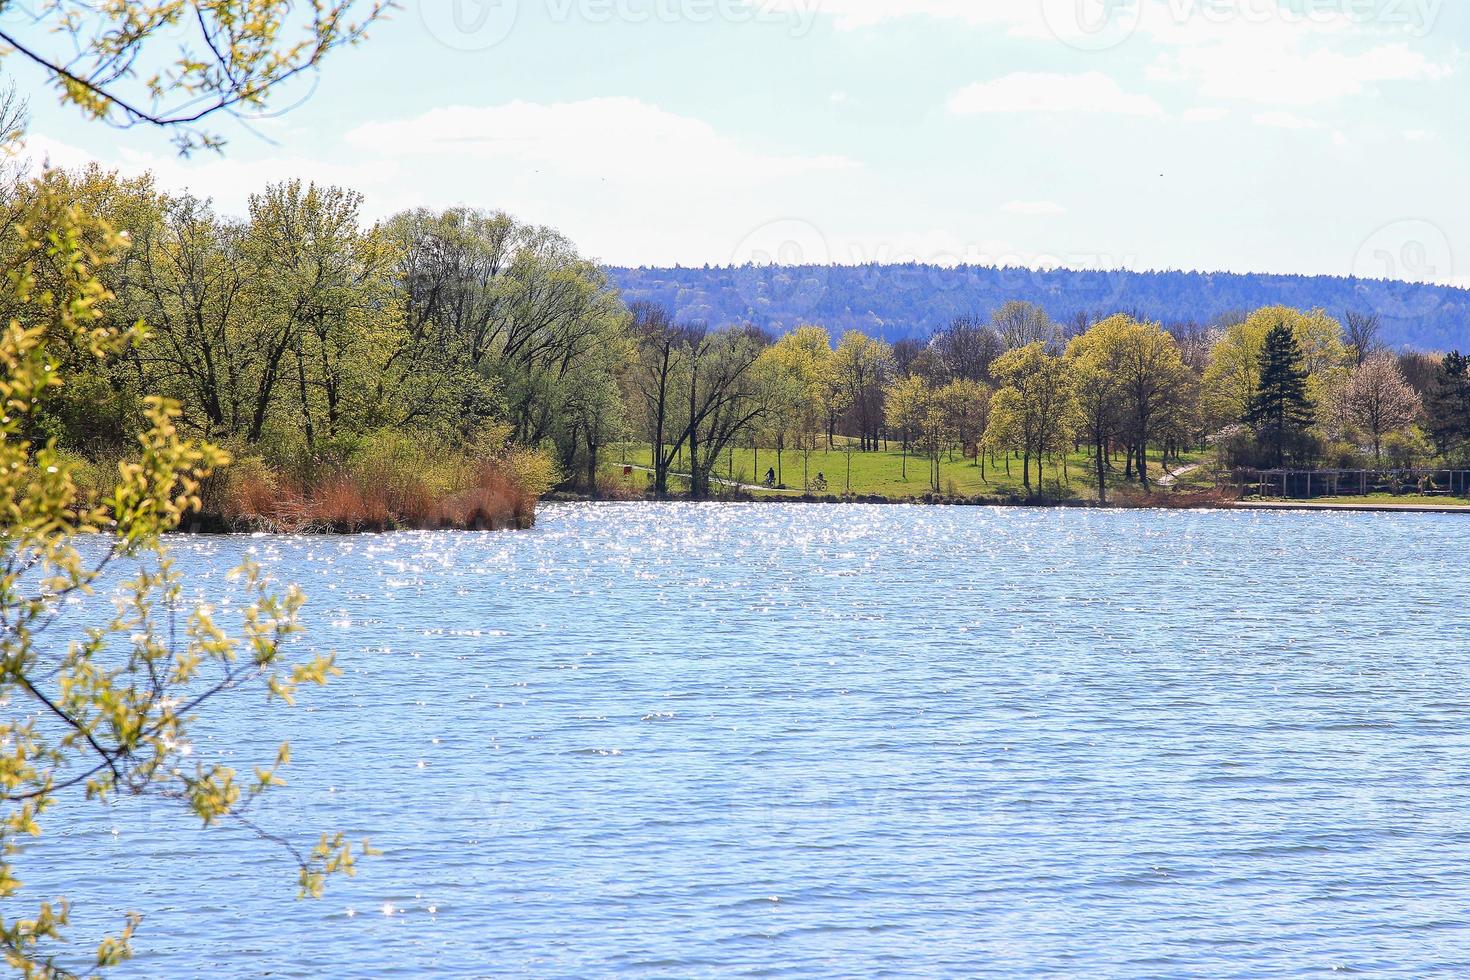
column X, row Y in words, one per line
column 1448, row 403
column 1280, row 407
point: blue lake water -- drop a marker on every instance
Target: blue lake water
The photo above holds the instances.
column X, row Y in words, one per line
column 694, row 740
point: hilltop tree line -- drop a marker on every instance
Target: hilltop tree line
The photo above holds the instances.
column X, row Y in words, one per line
column 912, row 300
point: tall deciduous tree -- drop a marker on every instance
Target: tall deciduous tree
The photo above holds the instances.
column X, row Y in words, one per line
column 1362, row 335
column 906, row 405
column 1097, row 386
column 655, row 381
column 1032, row 410
column 722, row 397
column 1378, row 400
column 805, row 356
column 967, row 348
column 863, row 366
column 1154, row 383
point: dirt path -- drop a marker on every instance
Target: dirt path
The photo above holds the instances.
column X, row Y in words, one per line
column 1169, row 479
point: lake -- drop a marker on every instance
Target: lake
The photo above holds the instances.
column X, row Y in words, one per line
column 786, row 739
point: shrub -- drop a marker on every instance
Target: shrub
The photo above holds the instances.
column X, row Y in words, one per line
column 379, row 481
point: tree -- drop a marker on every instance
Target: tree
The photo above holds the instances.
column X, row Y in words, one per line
column 318, row 280
column 1231, row 378
column 906, row 405
column 654, row 379
column 722, row 396
column 1280, row 407
column 111, row 711
column 967, row 405
column 1032, row 410
column 863, row 366
column 173, row 64
column 1020, row 324
column 805, row 374
column 189, row 291
column 1098, row 390
column 1362, row 335
column 1378, row 400
column 590, row 409
column 513, row 302
column 937, row 432
column 1154, row 381
column 967, row 348
column 1448, row 404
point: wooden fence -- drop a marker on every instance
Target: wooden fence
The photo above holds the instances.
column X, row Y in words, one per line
column 1305, row 484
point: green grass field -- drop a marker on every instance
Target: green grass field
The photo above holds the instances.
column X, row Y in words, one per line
column 882, row 473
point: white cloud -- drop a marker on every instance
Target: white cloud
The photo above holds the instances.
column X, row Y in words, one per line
column 1270, row 66
column 1174, row 22
column 1033, row 208
column 1045, row 92
column 652, row 146
column 851, row 15
column 623, row 179
column 1284, row 120
column 1274, row 52
column 1204, row 114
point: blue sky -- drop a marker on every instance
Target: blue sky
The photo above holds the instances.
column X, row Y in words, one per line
column 1317, row 136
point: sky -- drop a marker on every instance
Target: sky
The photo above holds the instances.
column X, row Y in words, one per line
column 1288, row 136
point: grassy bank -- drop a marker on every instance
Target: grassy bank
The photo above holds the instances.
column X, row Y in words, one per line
column 888, row 475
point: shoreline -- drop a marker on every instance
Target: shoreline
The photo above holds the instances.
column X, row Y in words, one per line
column 1164, row 504
column 211, row 525
column 1368, row 508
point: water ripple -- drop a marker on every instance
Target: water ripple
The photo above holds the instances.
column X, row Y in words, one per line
column 695, row 740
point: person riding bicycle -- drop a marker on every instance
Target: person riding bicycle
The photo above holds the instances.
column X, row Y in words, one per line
column 770, row 480
column 820, row 483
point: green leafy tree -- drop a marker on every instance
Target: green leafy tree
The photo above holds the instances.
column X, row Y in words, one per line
column 805, row 358
column 1280, row 408
column 1033, row 411
column 1232, row 374
column 906, row 404
column 1099, row 392
column 108, row 710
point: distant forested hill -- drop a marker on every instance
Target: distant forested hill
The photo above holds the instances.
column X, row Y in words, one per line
column 896, row 301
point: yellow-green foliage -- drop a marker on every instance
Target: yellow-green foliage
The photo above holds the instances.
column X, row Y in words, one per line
column 1234, row 365
column 222, row 54
column 536, row 471
column 103, row 712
